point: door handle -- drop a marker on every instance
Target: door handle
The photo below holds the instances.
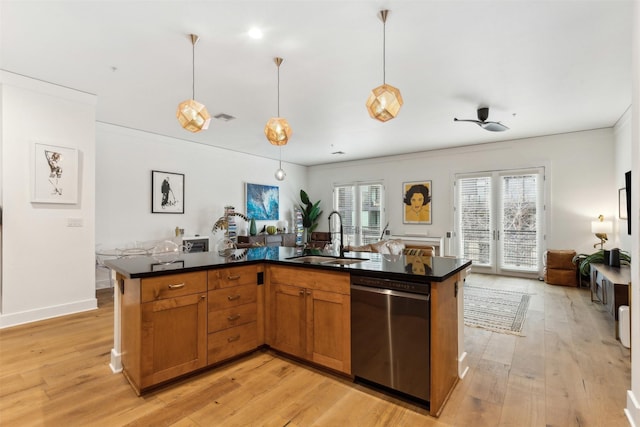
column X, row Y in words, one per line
column 176, row 286
column 233, row 297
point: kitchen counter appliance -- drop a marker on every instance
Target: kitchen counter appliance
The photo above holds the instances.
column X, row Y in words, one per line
column 390, row 335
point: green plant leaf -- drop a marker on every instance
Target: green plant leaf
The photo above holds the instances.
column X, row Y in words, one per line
column 304, row 197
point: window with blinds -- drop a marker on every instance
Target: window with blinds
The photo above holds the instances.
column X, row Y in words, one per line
column 519, row 221
column 498, row 219
column 475, row 219
column 361, row 206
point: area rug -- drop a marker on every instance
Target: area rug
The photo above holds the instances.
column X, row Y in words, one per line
column 495, row 309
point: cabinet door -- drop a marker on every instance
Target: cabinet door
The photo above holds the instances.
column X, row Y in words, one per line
column 329, row 329
column 288, row 319
column 174, row 337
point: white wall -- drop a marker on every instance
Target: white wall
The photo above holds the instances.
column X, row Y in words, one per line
column 214, row 178
column 579, row 171
column 622, row 134
column 633, row 395
column 47, row 267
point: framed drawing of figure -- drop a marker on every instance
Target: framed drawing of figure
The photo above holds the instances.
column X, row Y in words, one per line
column 417, row 202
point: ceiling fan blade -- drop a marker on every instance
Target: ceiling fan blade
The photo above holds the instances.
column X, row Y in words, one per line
column 493, row 126
column 465, row 120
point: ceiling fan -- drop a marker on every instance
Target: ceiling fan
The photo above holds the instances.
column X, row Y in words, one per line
column 483, row 115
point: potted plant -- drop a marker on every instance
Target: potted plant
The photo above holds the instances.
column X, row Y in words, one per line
column 583, row 261
column 310, row 214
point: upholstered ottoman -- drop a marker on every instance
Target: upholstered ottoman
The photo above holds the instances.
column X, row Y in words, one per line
column 559, row 268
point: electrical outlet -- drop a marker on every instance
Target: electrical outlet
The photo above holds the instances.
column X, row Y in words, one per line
column 448, row 234
column 74, row 222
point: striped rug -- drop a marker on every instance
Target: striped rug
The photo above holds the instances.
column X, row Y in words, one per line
column 495, row 309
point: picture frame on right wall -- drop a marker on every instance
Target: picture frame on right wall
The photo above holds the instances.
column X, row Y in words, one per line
column 622, row 203
column 627, row 182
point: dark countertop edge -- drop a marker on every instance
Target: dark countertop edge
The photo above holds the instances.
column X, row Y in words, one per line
column 343, row 269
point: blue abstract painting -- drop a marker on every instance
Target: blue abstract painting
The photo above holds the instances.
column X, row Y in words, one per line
column 263, row 202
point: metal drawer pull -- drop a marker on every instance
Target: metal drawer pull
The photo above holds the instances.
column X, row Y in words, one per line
column 233, row 277
column 233, row 297
column 232, row 339
column 176, row 286
column 301, row 292
column 233, row 317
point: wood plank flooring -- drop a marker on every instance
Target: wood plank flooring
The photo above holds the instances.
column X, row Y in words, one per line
column 567, row 370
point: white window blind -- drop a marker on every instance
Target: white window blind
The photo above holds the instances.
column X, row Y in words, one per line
column 361, row 206
column 519, row 221
column 475, row 219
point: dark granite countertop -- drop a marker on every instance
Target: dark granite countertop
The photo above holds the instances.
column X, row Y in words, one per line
column 421, row 269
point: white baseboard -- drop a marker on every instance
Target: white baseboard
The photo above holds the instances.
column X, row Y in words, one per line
column 14, row 319
column 632, row 411
column 463, row 366
column 116, row 361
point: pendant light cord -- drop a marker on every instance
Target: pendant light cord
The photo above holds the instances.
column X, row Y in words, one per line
column 193, row 70
column 279, row 91
column 384, row 53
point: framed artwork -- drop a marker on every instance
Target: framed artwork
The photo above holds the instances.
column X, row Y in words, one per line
column 167, row 192
column 622, row 203
column 55, row 174
column 263, row 202
column 416, row 198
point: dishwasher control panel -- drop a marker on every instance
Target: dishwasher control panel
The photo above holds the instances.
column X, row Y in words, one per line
column 398, row 285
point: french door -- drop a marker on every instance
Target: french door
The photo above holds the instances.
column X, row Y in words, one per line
column 361, row 206
column 499, row 220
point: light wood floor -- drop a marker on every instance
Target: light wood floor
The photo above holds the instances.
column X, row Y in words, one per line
column 568, row 370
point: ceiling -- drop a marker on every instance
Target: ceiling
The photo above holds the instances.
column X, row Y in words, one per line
column 543, row 67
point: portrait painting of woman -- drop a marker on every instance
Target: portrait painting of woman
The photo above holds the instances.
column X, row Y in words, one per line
column 417, row 202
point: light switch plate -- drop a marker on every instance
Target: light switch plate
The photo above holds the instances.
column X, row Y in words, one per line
column 74, row 222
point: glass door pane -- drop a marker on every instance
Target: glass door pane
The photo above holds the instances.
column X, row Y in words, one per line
column 519, row 246
column 475, row 220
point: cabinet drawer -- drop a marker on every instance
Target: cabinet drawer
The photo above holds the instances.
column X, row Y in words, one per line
column 235, row 276
column 230, row 317
column 173, row 285
column 232, row 297
column 231, row 342
column 312, row 279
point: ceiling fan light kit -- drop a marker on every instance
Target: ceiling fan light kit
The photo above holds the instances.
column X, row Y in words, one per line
column 193, row 115
column 483, row 115
column 385, row 101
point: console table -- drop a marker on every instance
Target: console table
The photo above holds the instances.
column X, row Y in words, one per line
column 610, row 286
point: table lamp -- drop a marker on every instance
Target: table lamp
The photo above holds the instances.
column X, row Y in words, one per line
column 600, row 228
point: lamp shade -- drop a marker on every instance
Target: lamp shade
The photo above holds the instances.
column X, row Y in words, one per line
column 193, row 116
column 601, row 227
column 384, row 102
column 278, row 131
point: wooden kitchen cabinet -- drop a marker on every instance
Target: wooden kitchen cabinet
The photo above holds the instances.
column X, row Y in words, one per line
column 165, row 332
column 233, row 319
column 308, row 315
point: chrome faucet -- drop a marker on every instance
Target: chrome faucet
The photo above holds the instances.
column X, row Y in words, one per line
column 341, row 231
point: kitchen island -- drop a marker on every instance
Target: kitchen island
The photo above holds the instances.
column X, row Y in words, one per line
column 173, row 319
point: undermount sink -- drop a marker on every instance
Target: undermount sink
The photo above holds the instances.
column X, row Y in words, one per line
column 323, row 259
column 344, row 261
column 315, row 259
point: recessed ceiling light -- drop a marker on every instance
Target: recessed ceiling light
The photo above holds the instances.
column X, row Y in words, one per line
column 255, row 33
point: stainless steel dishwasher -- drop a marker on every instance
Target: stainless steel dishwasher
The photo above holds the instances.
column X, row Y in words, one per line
column 390, row 334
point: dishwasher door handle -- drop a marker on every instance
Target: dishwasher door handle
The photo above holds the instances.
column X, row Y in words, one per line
column 392, row 292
